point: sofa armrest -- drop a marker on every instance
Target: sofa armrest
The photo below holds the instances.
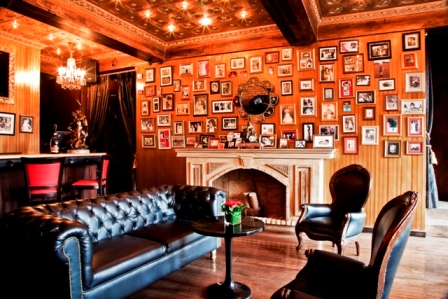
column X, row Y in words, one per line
column 315, row 210
column 355, row 223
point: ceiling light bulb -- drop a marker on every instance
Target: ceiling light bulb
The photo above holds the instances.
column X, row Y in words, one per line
column 58, row 51
column 15, row 25
column 147, row 13
column 205, row 21
column 79, row 46
column 243, row 14
column 184, row 5
column 171, row 28
column 51, row 36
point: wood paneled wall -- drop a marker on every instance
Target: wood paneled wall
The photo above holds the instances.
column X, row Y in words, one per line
column 26, row 91
column 391, row 176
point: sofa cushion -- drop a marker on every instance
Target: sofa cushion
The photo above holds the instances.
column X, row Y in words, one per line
column 174, row 234
column 120, row 254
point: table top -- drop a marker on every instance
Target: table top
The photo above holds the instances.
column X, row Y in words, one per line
column 217, row 228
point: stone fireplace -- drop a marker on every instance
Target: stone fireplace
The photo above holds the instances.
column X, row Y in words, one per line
column 300, row 171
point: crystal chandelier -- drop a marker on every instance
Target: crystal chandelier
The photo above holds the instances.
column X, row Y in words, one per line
column 70, row 76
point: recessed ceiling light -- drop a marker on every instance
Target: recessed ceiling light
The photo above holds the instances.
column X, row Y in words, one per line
column 205, row 21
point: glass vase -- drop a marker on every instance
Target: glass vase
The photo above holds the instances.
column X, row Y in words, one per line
column 233, row 218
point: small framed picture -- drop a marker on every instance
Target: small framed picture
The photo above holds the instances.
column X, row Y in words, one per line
column 226, row 88
column 323, row 141
column 164, row 120
column 416, row 106
column 392, row 149
column 326, row 73
column 347, row 106
column 286, row 88
column 330, row 111
column 392, row 125
column 353, row 63
column 255, row 64
column 409, row 60
column 289, row 134
column 288, row 114
column 349, row 46
column 149, row 141
column 166, row 76
column 284, row 70
column 271, row 57
column 268, row 140
column 365, row 97
column 299, row 143
column 26, row 124
column 414, row 148
column 190, row 140
column 211, row 125
column 199, row 85
column 229, row 123
column 147, row 124
column 203, row 68
column 349, row 123
column 213, row 142
column 411, row 41
column 178, row 141
column 328, row 93
column 381, row 68
column 287, row 54
column 415, row 82
column 215, row 87
column 370, row 135
column 308, row 131
column 308, row 106
column 200, row 104
column 195, row 126
column 179, row 127
column 283, row 143
column 330, row 130
column 368, row 113
column 237, row 63
column 305, row 60
column 391, row 102
column 185, row 92
column 362, row 80
column 150, row 75
column 306, row 84
column 267, row 129
column 220, row 70
column 155, row 104
column 328, row 53
column 351, row 145
column 416, row 126
column 176, row 85
column 144, row 108
column 386, row 84
column 346, row 88
column 164, row 138
column 222, row 106
column 168, row 102
column 150, row 90
column 183, row 108
column 379, row 50
column 186, row 69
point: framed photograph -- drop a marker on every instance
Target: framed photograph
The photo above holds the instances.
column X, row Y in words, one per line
column 411, row 41
column 283, row 143
column 164, row 138
column 381, row 69
column 328, row 93
column 326, row 73
column 26, row 124
column 415, row 82
column 362, row 80
column 150, row 75
column 220, row 70
column 368, row 113
column 168, row 102
column 328, row 53
column 211, row 125
column 330, row 111
column 226, row 88
column 147, row 124
column 255, row 64
column 267, row 129
column 391, row 102
column 330, row 130
column 353, row 63
column 392, row 125
column 183, row 108
column 299, row 143
column 237, row 63
column 346, row 106
column 386, row 84
column 164, row 120
column 166, row 76
column 305, row 60
column 271, row 57
column 349, row 46
column 392, row 149
column 409, row 60
column 379, row 50
column 416, row 106
column 179, row 127
column 308, row 131
column 416, row 126
column 289, row 134
column 268, row 140
column 284, row 70
column 213, row 142
column 323, row 141
column 350, row 145
column 308, row 106
column 149, row 141
column 186, row 69
column 365, row 97
column 203, row 68
column 178, row 141
column 200, row 104
column 215, row 87
column 349, row 123
column 346, row 88
column 150, row 90
column 414, row 148
column 222, row 106
column 370, row 135
column 156, row 104
column 229, row 123
column 286, row 87
column 190, row 140
column 144, row 108
column 288, row 114
column 199, row 85
column 195, row 126
column 306, row 84
column 185, row 92
column 287, row 54
column 7, row 123
column 176, row 85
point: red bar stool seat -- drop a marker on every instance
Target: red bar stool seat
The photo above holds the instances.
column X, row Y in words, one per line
column 95, row 184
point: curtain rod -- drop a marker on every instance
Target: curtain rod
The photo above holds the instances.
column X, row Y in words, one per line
column 126, row 70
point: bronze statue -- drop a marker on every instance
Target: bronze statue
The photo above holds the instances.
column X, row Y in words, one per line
column 79, row 129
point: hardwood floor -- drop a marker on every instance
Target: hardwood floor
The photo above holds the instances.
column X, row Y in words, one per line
column 268, row 260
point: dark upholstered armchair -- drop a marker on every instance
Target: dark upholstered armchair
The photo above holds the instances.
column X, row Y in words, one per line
column 330, row 275
column 341, row 221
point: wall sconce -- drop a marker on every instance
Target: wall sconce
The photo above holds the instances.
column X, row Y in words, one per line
column 140, row 87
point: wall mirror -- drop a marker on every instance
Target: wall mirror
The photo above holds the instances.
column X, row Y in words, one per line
column 7, row 75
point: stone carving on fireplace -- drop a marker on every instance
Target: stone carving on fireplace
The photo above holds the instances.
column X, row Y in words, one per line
column 281, row 168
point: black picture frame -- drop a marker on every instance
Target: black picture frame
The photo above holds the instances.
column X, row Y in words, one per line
column 308, row 132
column 7, row 123
column 379, row 50
column 328, row 53
column 411, row 41
column 230, row 123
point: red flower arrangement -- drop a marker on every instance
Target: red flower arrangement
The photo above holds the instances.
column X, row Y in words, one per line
column 232, row 206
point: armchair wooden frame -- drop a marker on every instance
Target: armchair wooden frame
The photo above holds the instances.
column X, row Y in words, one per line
column 100, row 183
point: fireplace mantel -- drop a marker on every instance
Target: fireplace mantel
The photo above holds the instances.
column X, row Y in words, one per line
column 300, row 170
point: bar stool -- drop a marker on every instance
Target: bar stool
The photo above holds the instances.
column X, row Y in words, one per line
column 43, row 177
column 96, row 184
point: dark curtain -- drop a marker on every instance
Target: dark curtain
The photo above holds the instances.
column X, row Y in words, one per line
column 126, row 95
column 432, row 195
column 97, row 101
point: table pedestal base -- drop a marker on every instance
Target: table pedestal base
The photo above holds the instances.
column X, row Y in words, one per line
column 236, row 290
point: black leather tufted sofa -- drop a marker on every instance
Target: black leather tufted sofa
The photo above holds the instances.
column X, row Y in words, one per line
column 104, row 247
